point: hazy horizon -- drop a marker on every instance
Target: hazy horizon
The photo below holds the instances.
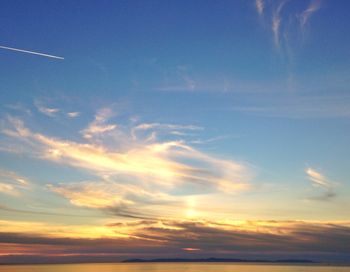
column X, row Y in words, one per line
column 174, row 129
column 201, row 267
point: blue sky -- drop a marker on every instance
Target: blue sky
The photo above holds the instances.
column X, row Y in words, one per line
column 243, row 104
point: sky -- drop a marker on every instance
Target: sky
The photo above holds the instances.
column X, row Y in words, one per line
column 157, row 129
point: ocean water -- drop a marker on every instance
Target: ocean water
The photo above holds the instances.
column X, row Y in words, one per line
column 172, row 267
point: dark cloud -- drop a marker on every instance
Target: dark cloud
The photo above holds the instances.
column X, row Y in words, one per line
column 328, row 195
column 166, row 238
column 126, row 212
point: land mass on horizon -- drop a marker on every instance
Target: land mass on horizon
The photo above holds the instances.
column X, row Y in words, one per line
column 218, row 260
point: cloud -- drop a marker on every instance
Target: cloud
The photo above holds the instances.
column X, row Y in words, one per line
column 168, row 163
column 20, row 108
column 31, row 52
column 157, row 128
column 104, row 114
column 5, row 208
column 304, row 17
column 48, row 111
column 9, row 175
column 99, row 126
column 8, row 189
column 287, row 24
column 124, row 200
column 144, row 172
column 268, row 236
column 57, row 230
column 51, row 112
column 92, row 195
column 182, row 80
column 148, row 126
column 12, row 183
column 97, row 129
column 164, row 238
column 73, row 114
column 190, row 249
column 213, row 139
column 325, row 106
column 276, row 22
column 260, row 5
column 319, row 180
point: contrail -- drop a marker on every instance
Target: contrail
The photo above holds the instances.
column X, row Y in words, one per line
column 31, row 52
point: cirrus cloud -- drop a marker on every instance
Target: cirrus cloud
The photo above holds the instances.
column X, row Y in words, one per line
column 145, row 171
column 320, row 181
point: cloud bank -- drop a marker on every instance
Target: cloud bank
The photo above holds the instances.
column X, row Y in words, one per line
column 164, row 238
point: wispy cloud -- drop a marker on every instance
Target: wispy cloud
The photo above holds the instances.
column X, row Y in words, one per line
column 285, row 22
column 276, row 22
column 319, row 180
column 12, row 183
column 298, row 106
column 213, row 139
column 147, row 126
column 116, row 199
column 8, row 189
column 20, row 108
column 51, row 112
column 73, row 114
column 154, row 168
column 31, row 52
column 165, row 160
column 93, row 194
column 304, row 17
column 260, row 5
column 97, row 129
column 183, row 80
column 153, row 129
column 99, row 126
column 48, row 111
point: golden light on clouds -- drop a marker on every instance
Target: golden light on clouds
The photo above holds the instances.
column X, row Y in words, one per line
column 53, row 230
column 175, row 130
column 150, row 194
column 139, row 176
column 190, row 249
column 191, row 207
column 163, row 162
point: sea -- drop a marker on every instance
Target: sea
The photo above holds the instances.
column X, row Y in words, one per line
column 173, row 267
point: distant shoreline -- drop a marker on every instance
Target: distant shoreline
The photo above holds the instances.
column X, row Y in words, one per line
column 216, row 260
column 189, row 262
column 194, row 261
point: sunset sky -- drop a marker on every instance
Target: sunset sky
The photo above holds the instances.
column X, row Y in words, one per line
column 190, row 129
